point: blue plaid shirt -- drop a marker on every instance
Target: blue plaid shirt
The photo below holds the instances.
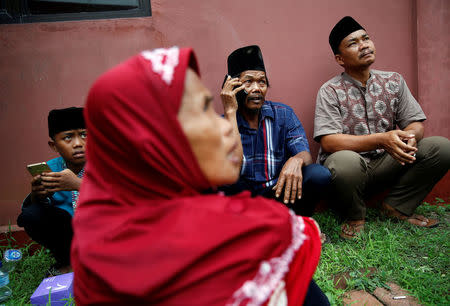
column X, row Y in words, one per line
column 280, row 136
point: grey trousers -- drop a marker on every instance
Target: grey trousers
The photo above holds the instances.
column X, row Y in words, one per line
column 352, row 178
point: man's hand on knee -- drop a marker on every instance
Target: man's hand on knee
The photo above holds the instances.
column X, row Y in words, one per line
column 291, row 179
column 413, row 143
column 400, row 145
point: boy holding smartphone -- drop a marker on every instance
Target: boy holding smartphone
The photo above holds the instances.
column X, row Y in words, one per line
column 48, row 210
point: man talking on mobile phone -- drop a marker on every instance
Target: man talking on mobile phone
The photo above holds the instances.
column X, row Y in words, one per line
column 276, row 159
column 48, row 210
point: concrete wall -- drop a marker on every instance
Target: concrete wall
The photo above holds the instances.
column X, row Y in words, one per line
column 52, row 65
column 433, row 66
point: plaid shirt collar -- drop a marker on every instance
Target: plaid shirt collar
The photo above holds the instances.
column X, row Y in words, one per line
column 266, row 111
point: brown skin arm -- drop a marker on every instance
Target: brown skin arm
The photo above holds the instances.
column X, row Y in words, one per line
column 59, row 181
column 400, row 144
column 230, row 107
column 417, row 129
column 291, row 177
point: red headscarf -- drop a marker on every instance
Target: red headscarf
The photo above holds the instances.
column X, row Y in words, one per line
column 144, row 232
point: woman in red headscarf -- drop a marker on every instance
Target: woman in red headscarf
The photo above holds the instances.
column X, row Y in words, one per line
column 148, row 229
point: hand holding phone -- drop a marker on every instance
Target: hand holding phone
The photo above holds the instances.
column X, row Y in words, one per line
column 38, row 191
column 64, row 180
column 241, row 96
column 38, row 168
column 232, row 89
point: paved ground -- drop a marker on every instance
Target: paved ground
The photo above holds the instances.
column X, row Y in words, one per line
column 395, row 296
column 381, row 296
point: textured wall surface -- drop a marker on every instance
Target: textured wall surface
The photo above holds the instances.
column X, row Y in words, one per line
column 52, row 65
column 433, row 63
column 433, row 73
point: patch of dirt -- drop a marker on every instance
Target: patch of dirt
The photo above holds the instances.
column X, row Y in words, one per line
column 360, row 298
column 395, row 296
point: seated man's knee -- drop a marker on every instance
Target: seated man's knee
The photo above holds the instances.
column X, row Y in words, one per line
column 346, row 163
column 435, row 147
column 317, row 175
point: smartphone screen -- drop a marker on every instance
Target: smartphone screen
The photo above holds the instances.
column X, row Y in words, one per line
column 38, row 168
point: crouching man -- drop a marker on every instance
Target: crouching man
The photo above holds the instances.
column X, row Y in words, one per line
column 47, row 211
column 370, row 129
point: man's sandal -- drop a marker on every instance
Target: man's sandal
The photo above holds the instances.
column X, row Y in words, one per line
column 414, row 219
column 324, row 238
column 351, row 229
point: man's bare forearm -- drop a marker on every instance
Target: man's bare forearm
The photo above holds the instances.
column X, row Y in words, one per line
column 417, row 129
column 363, row 143
column 305, row 156
column 358, row 143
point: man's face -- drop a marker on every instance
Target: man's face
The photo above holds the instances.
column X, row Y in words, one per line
column 356, row 50
column 255, row 83
column 70, row 145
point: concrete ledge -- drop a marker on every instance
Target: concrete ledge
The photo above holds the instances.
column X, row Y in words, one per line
column 12, row 228
column 16, row 237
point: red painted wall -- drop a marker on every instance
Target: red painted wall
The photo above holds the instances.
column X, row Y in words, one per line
column 433, row 67
column 52, row 65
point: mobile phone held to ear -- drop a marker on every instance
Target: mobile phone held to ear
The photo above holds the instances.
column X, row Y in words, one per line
column 241, row 96
column 38, row 168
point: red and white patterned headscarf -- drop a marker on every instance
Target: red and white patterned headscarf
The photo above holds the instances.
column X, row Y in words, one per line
column 144, row 232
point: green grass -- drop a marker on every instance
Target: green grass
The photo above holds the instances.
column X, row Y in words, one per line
column 27, row 275
column 415, row 258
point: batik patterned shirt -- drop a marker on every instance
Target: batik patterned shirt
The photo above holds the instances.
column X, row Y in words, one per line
column 280, row 135
column 344, row 106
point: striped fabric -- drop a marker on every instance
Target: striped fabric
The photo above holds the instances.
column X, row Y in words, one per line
column 74, row 193
column 280, row 135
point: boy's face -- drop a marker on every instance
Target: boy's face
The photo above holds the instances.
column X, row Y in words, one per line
column 71, row 145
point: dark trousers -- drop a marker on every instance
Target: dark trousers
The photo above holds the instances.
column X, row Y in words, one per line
column 315, row 296
column 316, row 179
column 49, row 226
column 353, row 178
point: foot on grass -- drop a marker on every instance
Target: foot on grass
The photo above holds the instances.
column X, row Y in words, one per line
column 352, row 229
column 323, row 238
column 414, row 219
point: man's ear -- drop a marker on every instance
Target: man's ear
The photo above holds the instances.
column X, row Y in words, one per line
column 51, row 144
column 338, row 59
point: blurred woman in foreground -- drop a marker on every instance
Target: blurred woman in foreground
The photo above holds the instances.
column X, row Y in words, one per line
column 149, row 229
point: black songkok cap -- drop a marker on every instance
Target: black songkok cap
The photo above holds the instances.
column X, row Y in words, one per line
column 344, row 27
column 65, row 119
column 246, row 58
